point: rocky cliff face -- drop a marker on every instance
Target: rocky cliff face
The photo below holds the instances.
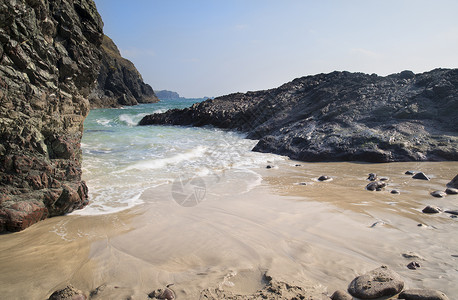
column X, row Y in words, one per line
column 119, row 83
column 49, row 58
column 341, row 116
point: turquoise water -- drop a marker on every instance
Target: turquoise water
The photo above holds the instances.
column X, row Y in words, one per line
column 121, row 160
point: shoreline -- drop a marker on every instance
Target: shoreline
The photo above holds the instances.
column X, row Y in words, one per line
column 318, row 236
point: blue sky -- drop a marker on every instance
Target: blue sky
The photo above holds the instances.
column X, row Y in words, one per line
column 214, row 47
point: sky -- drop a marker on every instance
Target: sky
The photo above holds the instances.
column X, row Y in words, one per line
column 208, row 48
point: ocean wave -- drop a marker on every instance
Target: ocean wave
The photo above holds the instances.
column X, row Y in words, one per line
column 163, row 162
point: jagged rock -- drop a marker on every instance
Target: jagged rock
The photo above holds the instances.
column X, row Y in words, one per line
column 451, row 191
column 452, row 212
column 372, row 177
column 431, row 210
column 420, row 175
column 119, row 83
column 341, row 295
column 375, row 186
column 49, row 61
column 68, row 293
column 341, row 116
column 453, row 183
column 438, row 194
column 418, row 294
column 377, row 283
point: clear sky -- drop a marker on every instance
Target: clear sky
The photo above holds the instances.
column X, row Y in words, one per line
column 214, row 47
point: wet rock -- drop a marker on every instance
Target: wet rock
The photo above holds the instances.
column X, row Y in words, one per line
column 421, row 176
column 397, row 192
column 372, row 177
column 413, row 265
column 410, row 173
column 438, row 194
column 453, row 183
column 453, row 212
column 451, row 191
column 375, row 186
column 419, row 294
column 341, row 295
column 340, row 116
column 431, row 210
column 68, row 293
column 380, row 282
column 412, row 255
column 324, row 178
column 166, row 294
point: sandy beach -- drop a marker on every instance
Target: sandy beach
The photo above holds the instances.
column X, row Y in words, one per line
column 311, row 234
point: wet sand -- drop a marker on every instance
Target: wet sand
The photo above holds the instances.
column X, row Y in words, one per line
column 318, row 236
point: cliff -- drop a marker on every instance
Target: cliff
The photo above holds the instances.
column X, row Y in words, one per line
column 341, row 116
column 119, row 83
column 164, row 94
column 49, row 61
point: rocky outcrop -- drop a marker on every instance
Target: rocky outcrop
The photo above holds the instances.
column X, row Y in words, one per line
column 164, row 94
column 119, row 83
column 341, row 116
column 49, row 61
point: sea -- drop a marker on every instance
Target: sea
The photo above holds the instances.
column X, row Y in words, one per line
column 121, row 160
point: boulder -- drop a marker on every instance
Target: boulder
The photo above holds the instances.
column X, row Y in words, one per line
column 375, row 186
column 451, row 191
column 421, row 176
column 380, row 282
column 453, row 183
column 431, row 210
column 68, row 293
column 341, row 295
column 418, row 294
column 438, row 194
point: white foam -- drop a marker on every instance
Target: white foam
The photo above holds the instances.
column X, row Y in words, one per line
column 101, row 207
column 104, row 122
column 163, row 162
column 130, row 120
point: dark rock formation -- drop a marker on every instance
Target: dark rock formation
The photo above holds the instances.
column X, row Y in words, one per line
column 68, row 293
column 119, row 83
column 454, row 182
column 341, row 116
column 164, row 94
column 438, row 194
column 380, row 282
column 421, row 176
column 431, row 209
column 49, row 61
column 375, row 186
